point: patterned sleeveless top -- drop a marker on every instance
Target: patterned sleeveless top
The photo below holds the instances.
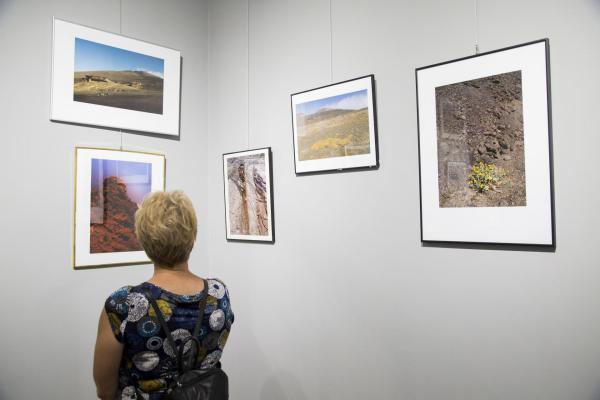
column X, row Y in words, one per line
column 148, row 360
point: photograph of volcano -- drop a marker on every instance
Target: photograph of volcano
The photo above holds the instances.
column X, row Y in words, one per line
column 118, row 188
column 336, row 126
column 480, row 142
column 248, row 195
column 114, row 77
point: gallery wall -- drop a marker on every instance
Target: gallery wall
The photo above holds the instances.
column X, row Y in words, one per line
column 347, row 304
column 49, row 311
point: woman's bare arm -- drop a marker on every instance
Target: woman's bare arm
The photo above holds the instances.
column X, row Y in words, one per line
column 107, row 358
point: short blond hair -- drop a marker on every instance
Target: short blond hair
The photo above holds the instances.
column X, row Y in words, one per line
column 166, row 227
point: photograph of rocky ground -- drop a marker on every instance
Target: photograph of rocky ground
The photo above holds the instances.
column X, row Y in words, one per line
column 247, row 192
column 481, row 142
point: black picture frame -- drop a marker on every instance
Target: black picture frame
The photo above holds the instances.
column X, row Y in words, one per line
column 344, row 163
column 269, row 238
column 544, row 232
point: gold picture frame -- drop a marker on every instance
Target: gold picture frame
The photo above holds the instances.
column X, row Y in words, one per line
column 82, row 256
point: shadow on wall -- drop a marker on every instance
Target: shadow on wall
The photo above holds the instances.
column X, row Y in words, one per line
column 282, row 385
column 596, row 395
column 4, row 7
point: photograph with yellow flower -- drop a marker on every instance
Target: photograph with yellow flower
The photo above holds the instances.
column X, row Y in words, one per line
column 484, row 135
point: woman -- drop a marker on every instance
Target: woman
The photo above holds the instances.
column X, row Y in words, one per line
column 132, row 353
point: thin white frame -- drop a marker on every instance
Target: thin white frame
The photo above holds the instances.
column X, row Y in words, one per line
column 270, row 238
column 82, row 257
column 64, row 109
column 530, row 225
column 333, row 164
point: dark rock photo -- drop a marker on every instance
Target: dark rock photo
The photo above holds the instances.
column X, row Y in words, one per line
column 481, row 158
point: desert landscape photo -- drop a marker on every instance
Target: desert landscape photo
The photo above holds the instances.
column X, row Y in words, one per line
column 247, row 193
column 117, row 190
column 335, row 126
column 480, row 142
column 113, row 77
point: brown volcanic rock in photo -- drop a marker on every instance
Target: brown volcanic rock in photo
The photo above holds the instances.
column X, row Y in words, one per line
column 481, row 120
column 131, row 90
column 117, row 232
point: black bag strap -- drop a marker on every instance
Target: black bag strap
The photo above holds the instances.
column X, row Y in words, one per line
column 201, row 308
column 170, row 339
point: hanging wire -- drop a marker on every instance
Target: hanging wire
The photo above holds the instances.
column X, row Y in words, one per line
column 248, row 72
column 330, row 44
column 476, row 28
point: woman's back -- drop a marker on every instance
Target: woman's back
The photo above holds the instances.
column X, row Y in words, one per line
column 148, row 359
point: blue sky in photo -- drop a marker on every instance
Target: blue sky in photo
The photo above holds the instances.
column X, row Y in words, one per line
column 136, row 175
column 346, row 101
column 92, row 56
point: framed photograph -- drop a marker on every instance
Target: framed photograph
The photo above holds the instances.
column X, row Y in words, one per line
column 104, row 79
column 335, row 127
column 485, row 148
column 248, row 183
column 109, row 187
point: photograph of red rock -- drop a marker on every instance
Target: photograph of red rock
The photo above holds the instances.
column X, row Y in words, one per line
column 118, row 188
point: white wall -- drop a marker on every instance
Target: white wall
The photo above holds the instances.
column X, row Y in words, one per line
column 48, row 311
column 347, row 304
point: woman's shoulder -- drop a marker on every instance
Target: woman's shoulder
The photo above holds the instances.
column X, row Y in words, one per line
column 127, row 298
column 120, row 300
column 217, row 288
column 117, row 300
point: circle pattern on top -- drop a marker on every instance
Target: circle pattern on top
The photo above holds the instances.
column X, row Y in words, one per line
column 224, row 304
column 146, row 360
column 118, row 298
column 178, row 336
column 128, row 393
column 147, row 326
column 211, row 305
column 150, row 357
column 164, row 308
column 137, row 304
column 217, row 320
column 154, row 343
column 216, row 289
column 211, row 359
